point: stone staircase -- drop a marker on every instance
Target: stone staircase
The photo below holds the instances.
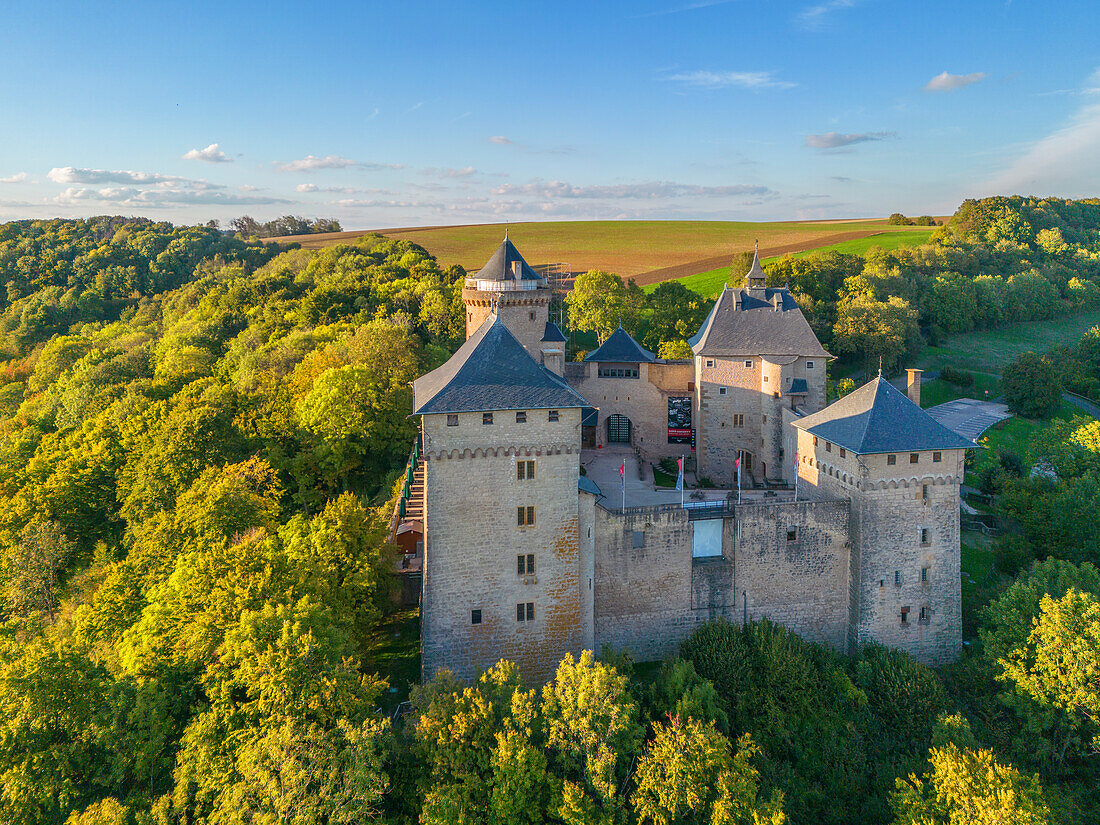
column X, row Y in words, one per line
column 414, row 508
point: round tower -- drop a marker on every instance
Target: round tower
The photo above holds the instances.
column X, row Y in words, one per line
column 518, row 294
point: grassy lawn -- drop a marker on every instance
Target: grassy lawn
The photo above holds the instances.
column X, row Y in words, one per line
column 1014, row 435
column 938, row 391
column 663, row 479
column 990, row 350
column 395, row 655
column 710, row 283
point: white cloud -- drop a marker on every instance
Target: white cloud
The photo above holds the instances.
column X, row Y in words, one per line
column 211, row 154
column 448, row 172
column 160, row 197
column 725, row 80
column 835, row 140
column 341, row 190
column 311, row 163
column 651, row 190
column 813, row 16
column 944, row 82
column 71, row 174
column 18, row 177
column 1065, row 162
column 501, row 140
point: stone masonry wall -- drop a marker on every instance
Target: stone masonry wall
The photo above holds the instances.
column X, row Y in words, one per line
column 800, row 583
column 524, row 312
column 472, row 539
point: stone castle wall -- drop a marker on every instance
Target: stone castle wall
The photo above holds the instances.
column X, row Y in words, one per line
column 472, row 539
column 524, row 312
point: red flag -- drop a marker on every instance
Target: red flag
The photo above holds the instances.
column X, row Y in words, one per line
column 737, row 464
column 622, row 470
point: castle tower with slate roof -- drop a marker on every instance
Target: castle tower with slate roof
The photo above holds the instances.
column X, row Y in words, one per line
column 519, row 296
column 756, row 360
column 507, row 568
column 902, row 471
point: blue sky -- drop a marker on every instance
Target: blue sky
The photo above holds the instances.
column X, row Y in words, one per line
column 395, row 114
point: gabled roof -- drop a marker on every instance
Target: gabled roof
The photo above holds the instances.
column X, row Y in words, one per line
column 491, row 371
column 880, row 418
column 552, row 334
column 499, row 266
column 622, row 348
column 756, row 322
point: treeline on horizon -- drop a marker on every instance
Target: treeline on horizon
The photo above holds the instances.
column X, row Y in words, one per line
column 201, row 438
column 998, row 260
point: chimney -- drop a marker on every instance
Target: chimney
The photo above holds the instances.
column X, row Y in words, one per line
column 914, row 385
column 554, row 360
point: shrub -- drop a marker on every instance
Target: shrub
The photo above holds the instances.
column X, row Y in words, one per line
column 1031, row 386
column 960, row 378
column 1011, row 554
column 1011, row 463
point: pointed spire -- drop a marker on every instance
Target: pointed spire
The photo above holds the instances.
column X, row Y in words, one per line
column 880, row 366
column 755, row 276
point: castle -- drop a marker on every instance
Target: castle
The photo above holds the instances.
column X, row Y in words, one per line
column 845, row 526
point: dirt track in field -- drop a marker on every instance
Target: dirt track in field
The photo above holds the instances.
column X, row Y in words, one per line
column 668, row 273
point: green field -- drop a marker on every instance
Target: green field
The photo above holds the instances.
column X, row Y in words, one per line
column 1014, row 435
column 938, row 391
column 710, row 283
column 990, row 350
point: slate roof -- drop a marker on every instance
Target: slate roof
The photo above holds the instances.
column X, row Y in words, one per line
column 880, row 418
column 491, row 371
column 499, row 267
column 622, row 348
column 552, row 334
column 587, row 485
column 798, row 387
column 757, row 328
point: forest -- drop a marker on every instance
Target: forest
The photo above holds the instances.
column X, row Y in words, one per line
column 201, row 439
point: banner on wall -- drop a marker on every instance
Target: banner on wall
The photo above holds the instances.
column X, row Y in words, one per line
column 679, row 420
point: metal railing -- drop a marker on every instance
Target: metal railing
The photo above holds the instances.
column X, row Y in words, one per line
column 410, row 478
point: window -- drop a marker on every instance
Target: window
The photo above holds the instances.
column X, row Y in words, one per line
column 925, row 614
column 721, row 390
column 639, row 539
column 809, row 365
column 828, row 447
column 525, row 470
column 792, row 534
column 897, row 578
column 924, row 541
column 924, row 492
column 843, row 452
column 815, row 440
column 525, row 516
column 475, row 617
column 924, row 575
column 891, row 459
column 532, row 315
column 739, row 419
column 486, row 418
column 710, row 362
column 905, row 615
column 914, row 458
column 525, row 612
column 936, row 457
column 775, row 394
column 452, row 420
column 553, row 416
column 521, row 417
column 765, row 379
column 525, row 565
column 748, row 365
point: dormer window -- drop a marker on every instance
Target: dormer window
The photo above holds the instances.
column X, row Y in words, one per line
column 809, row 365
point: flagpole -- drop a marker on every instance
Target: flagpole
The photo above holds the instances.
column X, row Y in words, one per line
column 681, row 479
column 796, row 476
column 740, row 458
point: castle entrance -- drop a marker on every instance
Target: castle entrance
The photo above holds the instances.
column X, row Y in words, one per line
column 618, row 429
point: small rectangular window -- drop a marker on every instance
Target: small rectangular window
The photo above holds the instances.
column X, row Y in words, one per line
column 843, row 452
column 748, row 364
column 525, row 470
column 809, row 365
column 738, row 419
column 486, row 418
column 815, row 440
column 721, row 390
column 532, row 316
column 828, row 447
column 765, row 379
column 553, row 416
column 891, row 459
column 525, row 564
column 521, row 417
column 792, row 534
column 452, row 420
column 521, row 614
column 897, row 578
column 530, row 564
column 530, row 611
column 924, row 491
column 525, row 516
column 924, row 538
column 924, row 575
column 914, row 458
column 905, row 615
column 525, row 612
column 925, row 614
column 710, row 362
column 936, row 457
column 475, row 617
